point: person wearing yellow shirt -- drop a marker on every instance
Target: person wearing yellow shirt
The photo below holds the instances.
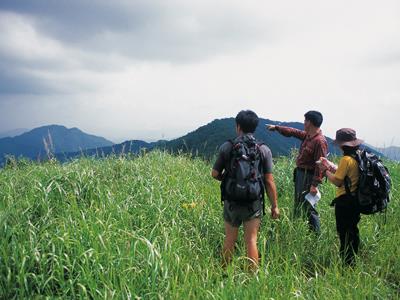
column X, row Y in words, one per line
column 346, row 208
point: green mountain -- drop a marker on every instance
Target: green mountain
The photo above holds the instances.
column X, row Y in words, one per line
column 133, row 146
column 54, row 138
column 206, row 139
column 203, row 142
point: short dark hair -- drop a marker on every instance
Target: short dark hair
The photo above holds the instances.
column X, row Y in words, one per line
column 315, row 117
column 247, row 120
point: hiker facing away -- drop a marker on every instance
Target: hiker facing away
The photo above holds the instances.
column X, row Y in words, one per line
column 346, row 208
column 245, row 169
column 307, row 174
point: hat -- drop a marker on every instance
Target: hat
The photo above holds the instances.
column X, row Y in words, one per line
column 347, row 137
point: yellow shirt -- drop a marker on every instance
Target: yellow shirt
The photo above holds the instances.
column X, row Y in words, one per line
column 348, row 166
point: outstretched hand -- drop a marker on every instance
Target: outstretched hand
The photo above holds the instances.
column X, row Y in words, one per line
column 271, row 127
column 325, row 165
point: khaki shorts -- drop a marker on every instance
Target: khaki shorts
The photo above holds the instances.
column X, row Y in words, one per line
column 236, row 214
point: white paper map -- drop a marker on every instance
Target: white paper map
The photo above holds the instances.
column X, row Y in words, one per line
column 313, row 199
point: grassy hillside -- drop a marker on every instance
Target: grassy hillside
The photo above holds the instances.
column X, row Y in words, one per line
column 151, row 228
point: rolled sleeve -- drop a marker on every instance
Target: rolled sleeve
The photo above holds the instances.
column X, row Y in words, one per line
column 223, row 156
column 342, row 169
column 267, row 163
column 289, row 131
column 321, row 150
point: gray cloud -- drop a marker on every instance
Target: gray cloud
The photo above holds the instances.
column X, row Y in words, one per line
column 152, row 30
column 102, row 36
column 16, row 82
column 17, row 77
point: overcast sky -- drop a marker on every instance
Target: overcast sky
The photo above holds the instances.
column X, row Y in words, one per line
column 160, row 69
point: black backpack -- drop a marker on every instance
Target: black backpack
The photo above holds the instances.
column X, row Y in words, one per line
column 374, row 183
column 243, row 182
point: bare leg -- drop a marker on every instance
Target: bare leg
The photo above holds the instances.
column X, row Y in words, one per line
column 231, row 234
column 250, row 236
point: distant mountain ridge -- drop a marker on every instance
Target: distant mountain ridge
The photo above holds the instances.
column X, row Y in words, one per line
column 13, row 132
column 56, row 138
column 205, row 141
column 133, row 146
column 392, row 152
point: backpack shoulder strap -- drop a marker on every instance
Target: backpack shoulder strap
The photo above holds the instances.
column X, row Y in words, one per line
column 227, row 170
column 347, row 180
column 260, row 142
column 347, row 184
column 229, row 155
column 232, row 142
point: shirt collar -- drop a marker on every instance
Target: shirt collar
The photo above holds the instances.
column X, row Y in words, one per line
column 319, row 131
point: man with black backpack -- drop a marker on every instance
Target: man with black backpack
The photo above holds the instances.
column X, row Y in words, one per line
column 245, row 168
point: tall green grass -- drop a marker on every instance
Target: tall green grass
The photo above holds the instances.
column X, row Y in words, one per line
column 151, row 227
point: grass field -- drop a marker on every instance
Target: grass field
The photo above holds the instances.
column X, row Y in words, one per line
column 151, row 227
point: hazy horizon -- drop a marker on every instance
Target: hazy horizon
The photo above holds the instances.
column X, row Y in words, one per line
column 143, row 137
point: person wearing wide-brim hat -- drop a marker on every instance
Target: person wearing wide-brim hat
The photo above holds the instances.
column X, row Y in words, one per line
column 347, row 137
column 346, row 179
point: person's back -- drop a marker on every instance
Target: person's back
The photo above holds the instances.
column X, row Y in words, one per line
column 347, row 212
column 347, row 168
column 249, row 210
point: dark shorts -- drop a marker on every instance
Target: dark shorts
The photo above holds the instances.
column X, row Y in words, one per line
column 237, row 214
